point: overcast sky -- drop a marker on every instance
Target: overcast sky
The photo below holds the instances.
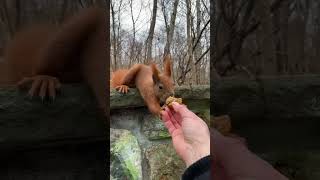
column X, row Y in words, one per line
column 143, row 18
column 142, row 12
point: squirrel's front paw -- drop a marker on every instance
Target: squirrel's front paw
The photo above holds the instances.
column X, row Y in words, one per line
column 41, row 85
column 123, row 89
column 156, row 110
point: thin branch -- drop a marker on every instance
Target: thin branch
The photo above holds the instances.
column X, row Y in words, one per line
column 205, row 6
column 199, row 37
column 189, row 69
column 275, row 5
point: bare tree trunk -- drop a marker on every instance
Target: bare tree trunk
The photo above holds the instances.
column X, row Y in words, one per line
column 198, row 48
column 151, row 32
column 316, row 39
column 213, row 41
column 265, row 48
column 189, row 40
column 132, row 52
column 114, row 39
column 306, row 13
column 190, row 56
column 280, row 19
column 9, row 15
column 119, row 39
column 170, row 28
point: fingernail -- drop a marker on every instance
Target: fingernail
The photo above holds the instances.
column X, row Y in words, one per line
column 175, row 103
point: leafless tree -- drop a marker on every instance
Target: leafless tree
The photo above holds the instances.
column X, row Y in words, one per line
column 171, row 25
column 151, row 32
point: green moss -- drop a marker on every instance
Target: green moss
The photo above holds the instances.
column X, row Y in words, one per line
column 159, row 134
column 164, row 134
column 127, row 150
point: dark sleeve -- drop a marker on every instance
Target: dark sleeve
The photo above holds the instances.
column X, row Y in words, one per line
column 199, row 170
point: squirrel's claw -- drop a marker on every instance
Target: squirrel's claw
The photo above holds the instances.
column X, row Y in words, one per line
column 122, row 89
column 41, row 85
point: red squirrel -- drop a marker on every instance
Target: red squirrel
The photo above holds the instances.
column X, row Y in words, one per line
column 154, row 87
column 48, row 55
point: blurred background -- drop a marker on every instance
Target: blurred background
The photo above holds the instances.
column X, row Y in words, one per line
column 267, row 37
column 142, row 31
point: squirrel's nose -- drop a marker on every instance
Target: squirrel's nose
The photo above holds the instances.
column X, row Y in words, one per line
column 172, row 93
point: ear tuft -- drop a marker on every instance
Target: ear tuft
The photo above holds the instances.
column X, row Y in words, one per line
column 167, row 65
column 155, row 73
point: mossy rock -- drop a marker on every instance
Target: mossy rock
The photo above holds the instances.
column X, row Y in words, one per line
column 164, row 163
column 125, row 155
column 153, row 128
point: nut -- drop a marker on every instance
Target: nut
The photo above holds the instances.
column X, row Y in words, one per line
column 171, row 99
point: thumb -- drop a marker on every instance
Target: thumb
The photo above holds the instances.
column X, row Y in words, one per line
column 181, row 109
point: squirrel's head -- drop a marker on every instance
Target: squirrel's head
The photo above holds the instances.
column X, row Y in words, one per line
column 163, row 82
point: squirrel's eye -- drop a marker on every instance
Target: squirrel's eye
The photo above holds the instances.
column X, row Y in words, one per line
column 160, row 87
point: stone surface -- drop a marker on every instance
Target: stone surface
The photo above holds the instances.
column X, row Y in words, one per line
column 75, row 162
column 153, row 128
column 164, row 163
column 125, row 160
column 18, row 113
column 284, row 110
column 72, row 115
column 133, row 98
column 193, row 92
column 278, row 97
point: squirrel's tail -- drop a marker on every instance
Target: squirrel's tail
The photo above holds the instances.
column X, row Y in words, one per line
column 117, row 76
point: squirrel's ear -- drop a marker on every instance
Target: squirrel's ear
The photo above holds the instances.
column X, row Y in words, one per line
column 155, row 73
column 167, row 65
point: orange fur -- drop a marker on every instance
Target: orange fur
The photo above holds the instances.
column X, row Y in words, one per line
column 22, row 52
column 154, row 87
column 117, row 76
column 73, row 52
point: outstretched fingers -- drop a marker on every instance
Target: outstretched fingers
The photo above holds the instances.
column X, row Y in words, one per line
column 43, row 89
column 182, row 112
column 181, row 109
column 167, row 122
column 125, row 89
column 172, row 116
column 34, row 87
column 122, row 89
column 41, row 85
column 24, row 82
column 52, row 89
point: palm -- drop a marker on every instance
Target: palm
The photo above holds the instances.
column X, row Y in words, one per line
column 188, row 133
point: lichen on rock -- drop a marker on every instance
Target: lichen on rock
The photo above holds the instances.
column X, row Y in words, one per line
column 154, row 129
column 125, row 155
column 164, row 163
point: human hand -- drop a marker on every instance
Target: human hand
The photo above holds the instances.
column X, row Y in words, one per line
column 190, row 134
column 232, row 160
